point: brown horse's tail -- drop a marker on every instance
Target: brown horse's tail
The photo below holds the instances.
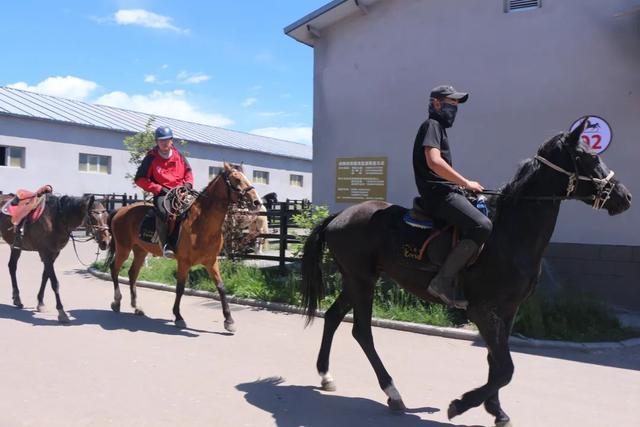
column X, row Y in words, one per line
column 312, row 286
column 111, row 252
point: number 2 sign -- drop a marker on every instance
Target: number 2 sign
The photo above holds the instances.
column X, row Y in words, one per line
column 597, row 134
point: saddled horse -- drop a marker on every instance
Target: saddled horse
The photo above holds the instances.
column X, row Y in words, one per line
column 363, row 242
column 49, row 235
column 199, row 242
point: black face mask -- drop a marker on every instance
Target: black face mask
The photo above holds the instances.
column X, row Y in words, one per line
column 446, row 115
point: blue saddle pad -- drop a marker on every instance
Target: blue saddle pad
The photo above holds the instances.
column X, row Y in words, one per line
column 417, row 223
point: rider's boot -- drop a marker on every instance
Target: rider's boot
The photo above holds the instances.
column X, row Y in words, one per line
column 163, row 237
column 443, row 286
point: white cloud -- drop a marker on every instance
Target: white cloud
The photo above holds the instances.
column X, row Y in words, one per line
column 66, row 87
column 297, row 134
column 144, row 18
column 271, row 113
column 286, row 96
column 249, row 102
column 192, row 78
column 150, row 78
column 172, row 104
column 164, row 66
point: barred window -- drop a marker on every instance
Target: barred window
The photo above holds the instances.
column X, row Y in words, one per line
column 517, row 5
column 12, row 156
column 295, row 180
column 94, row 163
column 260, row 177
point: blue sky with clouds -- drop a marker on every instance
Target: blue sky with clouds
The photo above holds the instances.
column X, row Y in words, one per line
column 221, row 62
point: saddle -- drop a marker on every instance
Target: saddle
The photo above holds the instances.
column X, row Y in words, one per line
column 427, row 240
column 26, row 204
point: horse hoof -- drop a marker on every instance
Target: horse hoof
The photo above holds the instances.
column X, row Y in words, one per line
column 230, row 327
column 139, row 312
column 453, row 410
column 328, row 385
column 18, row 303
column 115, row 306
column 62, row 317
column 396, row 405
column 503, row 421
column 181, row 324
column 40, row 308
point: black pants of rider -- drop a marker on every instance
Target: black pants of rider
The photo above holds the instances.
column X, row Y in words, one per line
column 162, row 223
column 456, row 209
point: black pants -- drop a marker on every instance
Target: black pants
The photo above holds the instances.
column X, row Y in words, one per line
column 454, row 208
column 158, row 203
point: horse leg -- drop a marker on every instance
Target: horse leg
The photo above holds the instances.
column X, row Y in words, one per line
column 214, row 273
column 492, row 404
column 43, row 284
column 62, row 316
column 13, row 265
column 119, row 259
column 139, row 256
column 181, row 278
column 362, row 311
column 496, row 334
column 332, row 319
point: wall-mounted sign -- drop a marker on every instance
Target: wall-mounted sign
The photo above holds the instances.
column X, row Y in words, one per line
column 361, row 178
column 597, row 134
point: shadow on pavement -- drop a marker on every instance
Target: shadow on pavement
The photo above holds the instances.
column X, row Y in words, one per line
column 626, row 358
column 294, row 405
column 106, row 319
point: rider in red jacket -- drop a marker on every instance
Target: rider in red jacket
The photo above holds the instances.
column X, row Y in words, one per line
column 162, row 169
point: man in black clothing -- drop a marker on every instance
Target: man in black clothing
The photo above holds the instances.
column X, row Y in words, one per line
column 438, row 184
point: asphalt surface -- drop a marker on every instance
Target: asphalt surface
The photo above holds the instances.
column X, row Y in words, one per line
column 119, row 369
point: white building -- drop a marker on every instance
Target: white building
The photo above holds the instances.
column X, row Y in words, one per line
column 77, row 148
column 532, row 68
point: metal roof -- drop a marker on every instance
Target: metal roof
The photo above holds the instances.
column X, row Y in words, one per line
column 309, row 28
column 20, row 103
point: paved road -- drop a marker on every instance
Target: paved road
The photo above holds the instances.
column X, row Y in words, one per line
column 121, row 370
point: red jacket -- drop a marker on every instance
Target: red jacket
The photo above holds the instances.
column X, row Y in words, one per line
column 156, row 172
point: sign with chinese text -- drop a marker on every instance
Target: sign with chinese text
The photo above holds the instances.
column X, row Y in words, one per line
column 361, row 178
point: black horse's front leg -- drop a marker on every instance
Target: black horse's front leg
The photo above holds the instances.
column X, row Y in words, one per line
column 43, row 284
column 13, row 265
column 494, row 330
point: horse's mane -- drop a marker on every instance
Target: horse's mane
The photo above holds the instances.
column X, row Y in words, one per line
column 511, row 192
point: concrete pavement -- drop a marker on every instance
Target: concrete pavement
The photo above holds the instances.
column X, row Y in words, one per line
column 108, row 368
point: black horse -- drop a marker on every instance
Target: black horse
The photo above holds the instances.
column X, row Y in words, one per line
column 361, row 237
column 49, row 234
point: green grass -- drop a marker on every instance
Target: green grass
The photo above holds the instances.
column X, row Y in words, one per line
column 566, row 315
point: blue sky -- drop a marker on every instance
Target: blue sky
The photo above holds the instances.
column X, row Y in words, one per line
column 220, row 62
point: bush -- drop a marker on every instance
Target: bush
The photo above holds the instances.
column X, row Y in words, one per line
column 569, row 315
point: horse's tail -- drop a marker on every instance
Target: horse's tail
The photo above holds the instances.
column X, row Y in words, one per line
column 111, row 252
column 313, row 287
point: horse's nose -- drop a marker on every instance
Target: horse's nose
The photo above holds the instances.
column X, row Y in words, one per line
column 629, row 197
column 256, row 203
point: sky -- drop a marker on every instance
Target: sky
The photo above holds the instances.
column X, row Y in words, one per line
column 225, row 63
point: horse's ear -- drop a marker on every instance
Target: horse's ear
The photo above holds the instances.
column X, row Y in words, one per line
column 574, row 136
column 91, row 201
column 227, row 167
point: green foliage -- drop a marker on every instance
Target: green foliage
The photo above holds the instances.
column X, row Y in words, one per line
column 307, row 219
column 569, row 315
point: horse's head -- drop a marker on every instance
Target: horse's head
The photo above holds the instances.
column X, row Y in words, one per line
column 582, row 174
column 97, row 222
column 241, row 188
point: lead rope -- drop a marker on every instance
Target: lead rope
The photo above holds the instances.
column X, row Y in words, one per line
column 75, row 249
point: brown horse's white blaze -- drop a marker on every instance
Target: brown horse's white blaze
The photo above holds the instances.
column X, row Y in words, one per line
column 200, row 240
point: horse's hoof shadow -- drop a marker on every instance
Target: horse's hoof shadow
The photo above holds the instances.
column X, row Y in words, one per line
column 181, row 324
column 396, row 405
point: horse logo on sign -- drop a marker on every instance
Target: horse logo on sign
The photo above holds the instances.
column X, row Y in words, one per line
column 597, row 135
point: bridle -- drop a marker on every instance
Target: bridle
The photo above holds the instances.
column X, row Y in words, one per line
column 230, row 187
column 92, row 223
column 604, row 186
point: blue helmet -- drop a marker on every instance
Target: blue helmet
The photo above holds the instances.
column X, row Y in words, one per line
column 164, row 132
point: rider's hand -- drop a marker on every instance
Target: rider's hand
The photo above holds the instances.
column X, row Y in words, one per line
column 473, row 186
column 164, row 191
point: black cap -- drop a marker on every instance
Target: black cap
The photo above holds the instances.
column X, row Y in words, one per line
column 448, row 91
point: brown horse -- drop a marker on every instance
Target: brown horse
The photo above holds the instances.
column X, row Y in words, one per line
column 199, row 242
column 49, row 234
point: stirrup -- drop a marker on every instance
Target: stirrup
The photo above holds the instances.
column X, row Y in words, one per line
column 167, row 252
column 451, row 299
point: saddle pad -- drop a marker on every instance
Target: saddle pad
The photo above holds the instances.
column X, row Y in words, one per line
column 413, row 222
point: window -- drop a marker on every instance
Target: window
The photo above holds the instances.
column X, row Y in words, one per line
column 295, row 180
column 260, row 177
column 95, row 163
column 12, row 156
column 214, row 171
column 516, row 5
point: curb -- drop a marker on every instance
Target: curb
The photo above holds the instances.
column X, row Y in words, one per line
column 460, row 334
